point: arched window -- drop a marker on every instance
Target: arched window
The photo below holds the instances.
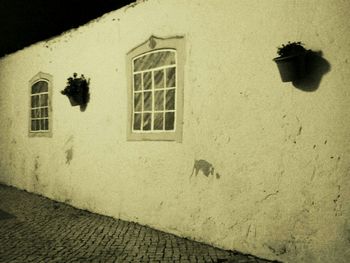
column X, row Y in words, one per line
column 40, row 123
column 155, row 90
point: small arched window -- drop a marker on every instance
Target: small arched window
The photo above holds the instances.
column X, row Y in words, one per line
column 40, row 119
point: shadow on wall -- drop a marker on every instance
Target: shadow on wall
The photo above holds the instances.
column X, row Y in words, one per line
column 316, row 67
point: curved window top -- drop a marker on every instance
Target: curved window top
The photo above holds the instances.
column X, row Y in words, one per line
column 153, row 59
column 40, row 86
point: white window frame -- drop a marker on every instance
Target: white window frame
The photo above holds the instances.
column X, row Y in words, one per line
column 152, row 45
column 47, row 78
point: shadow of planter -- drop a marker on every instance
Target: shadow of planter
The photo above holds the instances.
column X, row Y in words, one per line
column 315, row 67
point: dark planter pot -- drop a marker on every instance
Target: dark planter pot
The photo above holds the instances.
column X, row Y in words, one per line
column 75, row 99
column 292, row 67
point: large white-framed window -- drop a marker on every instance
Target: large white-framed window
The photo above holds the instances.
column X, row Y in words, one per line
column 155, row 88
column 40, row 110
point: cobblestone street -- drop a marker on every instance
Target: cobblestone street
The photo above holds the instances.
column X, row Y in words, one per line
column 36, row 229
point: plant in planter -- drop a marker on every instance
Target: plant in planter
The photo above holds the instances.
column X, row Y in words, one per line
column 291, row 61
column 77, row 90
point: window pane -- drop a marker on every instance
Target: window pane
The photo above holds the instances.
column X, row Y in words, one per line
column 37, row 113
column 37, row 124
column 171, row 77
column 137, row 121
column 35, row 101
column 158, row 121
column 42, row 124
column 46, row 112
column 147, row 101
column 46, row 124
column 44, row 100
column 170, row 100
column 147, row 80
column 33, row 127
column 33, row 114
column 159, row 79
column 147, row 121
column 159, row 100
column 137, row 81
column 169, row 120
column 137, row 101
column 155, row 59
column 40, row 86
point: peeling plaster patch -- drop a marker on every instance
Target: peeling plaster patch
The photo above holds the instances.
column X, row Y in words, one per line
column 35, row 171
column 69, row 155
column 204, row 166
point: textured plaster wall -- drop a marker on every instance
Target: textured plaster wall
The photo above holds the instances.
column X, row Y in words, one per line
column 263, row 167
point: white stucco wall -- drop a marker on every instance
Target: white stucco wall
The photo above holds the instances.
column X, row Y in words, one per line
column 281, row 153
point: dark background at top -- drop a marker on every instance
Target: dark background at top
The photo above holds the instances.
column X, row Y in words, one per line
column 24, row 22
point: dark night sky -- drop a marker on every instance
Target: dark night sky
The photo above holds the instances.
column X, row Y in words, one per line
column 24, row 22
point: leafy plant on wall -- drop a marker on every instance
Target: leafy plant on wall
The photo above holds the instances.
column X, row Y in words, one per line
column 77, row 91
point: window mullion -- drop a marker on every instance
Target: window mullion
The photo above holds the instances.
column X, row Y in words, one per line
column 153, row 107
column 142, row 106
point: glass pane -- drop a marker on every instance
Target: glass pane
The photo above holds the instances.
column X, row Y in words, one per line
column 158, row 121
column 147, row 121
column 169, row 120
column 171, row 77
column 159, row 79
column 147, row 80
column 137, row 101
column 33, row 114
column 42, row 123
column 46, row 124
column 37, row 124
column 155, row 59
column 46, row 112
column 137, row 81
column 147, row 101
column 170, row 100
column 159, row 100
column 40, row 86
column 44, row 100
column 137, row 121
column 33, row 126
column 35, row 101
column 37, row 113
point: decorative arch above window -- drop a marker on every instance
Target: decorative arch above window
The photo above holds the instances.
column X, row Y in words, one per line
column 155, row 89
column 40, row 108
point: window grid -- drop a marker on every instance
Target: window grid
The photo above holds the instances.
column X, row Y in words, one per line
column 39, row 124
column 165, row 89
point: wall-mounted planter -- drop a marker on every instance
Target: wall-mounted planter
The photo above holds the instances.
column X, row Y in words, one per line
column 291, row 62
column 77, row 90
column 292, row 67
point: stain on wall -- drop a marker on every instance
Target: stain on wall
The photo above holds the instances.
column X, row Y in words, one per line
column 69, row 155
column 202, row 166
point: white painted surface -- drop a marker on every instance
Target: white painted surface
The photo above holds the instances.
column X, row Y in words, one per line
column 281, row 153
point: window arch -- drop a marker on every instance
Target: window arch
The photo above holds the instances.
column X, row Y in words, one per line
column 155, row 88
column 40, row 112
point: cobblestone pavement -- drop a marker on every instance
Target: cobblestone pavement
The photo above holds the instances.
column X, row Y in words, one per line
column 42, row 230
